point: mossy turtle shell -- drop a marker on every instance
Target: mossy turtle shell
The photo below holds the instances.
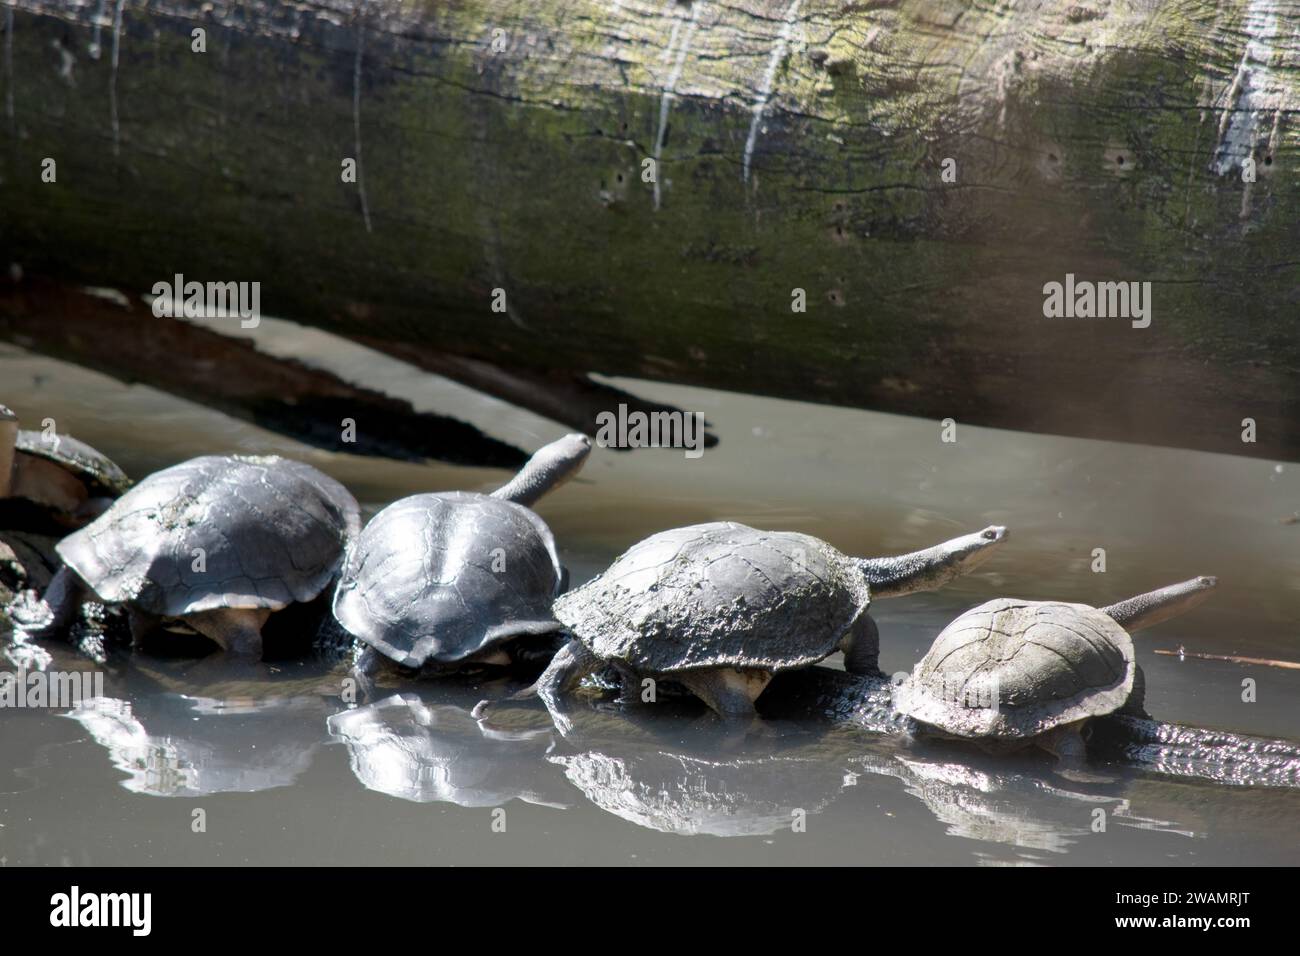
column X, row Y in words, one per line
column 441, row 577
column 100, row 474
column 1014, row 669
column 719, row 594
column 217, row 532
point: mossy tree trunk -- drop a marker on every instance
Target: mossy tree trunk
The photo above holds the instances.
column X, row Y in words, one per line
column 920, row 169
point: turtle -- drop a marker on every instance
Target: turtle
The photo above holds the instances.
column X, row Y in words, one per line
column 438, row 581
column 65, row 480
column 721, row 607
column 215, row 544
column 1012, row 674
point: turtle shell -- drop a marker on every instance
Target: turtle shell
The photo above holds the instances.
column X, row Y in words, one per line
column 1014, row 669
column 217, row 532
column 442, row 577
column 719, row 594
column 100, row 474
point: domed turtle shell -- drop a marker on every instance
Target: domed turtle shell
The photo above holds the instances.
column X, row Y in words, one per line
column 440, row 577
column 100, row 474
column 719, row 594
column 1014, row 669
column 272, row 531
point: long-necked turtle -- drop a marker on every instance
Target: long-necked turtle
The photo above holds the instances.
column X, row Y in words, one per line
column 1011, row 674
column 438, row 580
column 721, row 607
column 218, row 543
column 66, row 480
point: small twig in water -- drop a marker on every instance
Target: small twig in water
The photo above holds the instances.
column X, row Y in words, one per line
column 1230, row 658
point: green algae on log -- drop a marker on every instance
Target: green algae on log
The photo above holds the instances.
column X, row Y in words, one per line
column 920, row 169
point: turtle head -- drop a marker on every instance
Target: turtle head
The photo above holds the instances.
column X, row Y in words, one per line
column 550, row 467
column 8, row 438
column 1151, row 608
column 934, row 567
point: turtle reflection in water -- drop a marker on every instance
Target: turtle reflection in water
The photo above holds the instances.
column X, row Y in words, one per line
column 185, row 737
column 721, row 607
column 720, row 795
column 1017, row 808
column 1011, row 674
column 660, row 786
column 439, row 581
column 429, row 752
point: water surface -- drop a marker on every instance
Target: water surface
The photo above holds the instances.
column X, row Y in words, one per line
column 290, row 775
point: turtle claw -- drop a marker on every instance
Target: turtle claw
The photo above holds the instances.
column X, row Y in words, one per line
column 54, row 611
column 31, row 614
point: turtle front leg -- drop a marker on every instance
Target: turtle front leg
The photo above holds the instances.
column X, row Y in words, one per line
column 238, row 631
column 571, row 664
column 568, row 667
column 629, row 685
column 861, row 647
column 57, row 608
column 366, row 665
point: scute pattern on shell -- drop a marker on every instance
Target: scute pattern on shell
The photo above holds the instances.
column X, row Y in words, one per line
column 719, row 594
column 272, row 532
column 1015, row 669
column 423, row 582
column 88, row 464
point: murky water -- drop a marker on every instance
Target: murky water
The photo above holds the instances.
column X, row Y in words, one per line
column 285, row 774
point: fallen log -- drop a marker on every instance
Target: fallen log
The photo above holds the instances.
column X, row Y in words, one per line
column 543, row 190
column 120, row 338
